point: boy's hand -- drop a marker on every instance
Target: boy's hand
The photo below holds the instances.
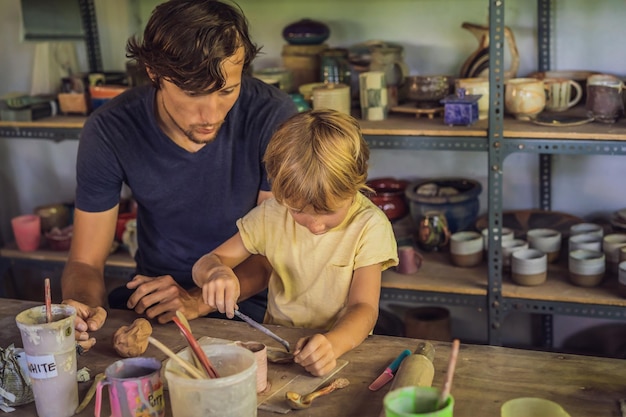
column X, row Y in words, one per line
column 315, row 354
column 222, row 290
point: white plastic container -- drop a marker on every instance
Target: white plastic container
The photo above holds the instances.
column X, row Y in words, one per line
column 233, row 394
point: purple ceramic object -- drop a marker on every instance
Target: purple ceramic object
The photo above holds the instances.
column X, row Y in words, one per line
column 460, row 109
column 306, row 32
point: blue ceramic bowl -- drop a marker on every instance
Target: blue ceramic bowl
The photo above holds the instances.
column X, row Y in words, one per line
column 457, row 198
column 306, row 32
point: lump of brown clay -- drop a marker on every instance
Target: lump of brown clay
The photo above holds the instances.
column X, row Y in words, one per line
column 131, row 341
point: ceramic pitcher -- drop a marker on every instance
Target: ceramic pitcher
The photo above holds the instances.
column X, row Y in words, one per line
column 389, row 58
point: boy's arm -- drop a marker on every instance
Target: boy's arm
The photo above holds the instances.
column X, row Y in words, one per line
column 213, row 273
column 318, row 354
column 361, row 312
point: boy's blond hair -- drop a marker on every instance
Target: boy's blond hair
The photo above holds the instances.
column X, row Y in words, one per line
column 317, row 158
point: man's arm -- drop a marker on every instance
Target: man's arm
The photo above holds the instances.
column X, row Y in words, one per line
column 83, row 276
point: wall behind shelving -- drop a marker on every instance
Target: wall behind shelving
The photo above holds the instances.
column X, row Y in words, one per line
column 586, row 36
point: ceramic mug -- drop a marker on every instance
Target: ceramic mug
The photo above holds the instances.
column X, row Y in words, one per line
column 586, row 267
column 604, row 98
column 559, row 94
column 547, row 241
column 135, row 388
column 524, row 98
column 409, row 260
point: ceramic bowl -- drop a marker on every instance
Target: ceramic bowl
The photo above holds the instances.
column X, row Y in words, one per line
column 59, row 239
column 306, row 32
column 428, row 90
column 457, row 198
column 389, row 196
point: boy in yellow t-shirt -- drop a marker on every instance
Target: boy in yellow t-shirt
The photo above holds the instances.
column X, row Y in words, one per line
column 326, row 242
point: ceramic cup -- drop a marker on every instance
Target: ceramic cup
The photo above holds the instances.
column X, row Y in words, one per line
column 506, row 234
column 27, row 232
column 547, row 241
column 604, row 98
column 409, row 260
column 588, row 241
column 476, row 86
column 260, row 354
column 466, row 248
column 586, row 267
column 621, row 278
column 586, row 228
column 373, row 95
column 416, row 402
column 611, row 245
column 531, row 406
column 559, row 95
column 510, row 246
column 529, row 267
column 524, row 98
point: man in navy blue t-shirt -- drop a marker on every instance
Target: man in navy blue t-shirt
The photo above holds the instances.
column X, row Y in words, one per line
column 190, row 147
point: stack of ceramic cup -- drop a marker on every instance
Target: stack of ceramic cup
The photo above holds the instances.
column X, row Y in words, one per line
column 547, row 241
column 586, row 261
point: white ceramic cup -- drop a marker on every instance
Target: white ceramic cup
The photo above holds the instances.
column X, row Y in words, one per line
column 586, row 228
column 506, row 234
column 510, row 246
column 466, row 248
column 611, row 245
column 547, row 241
column 529, row 267
column 589, row 241
column 586, row 267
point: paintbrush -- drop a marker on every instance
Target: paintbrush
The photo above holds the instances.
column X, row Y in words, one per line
column 191, row 370
column 447, row 385
column 196, row 349
column 48, row 300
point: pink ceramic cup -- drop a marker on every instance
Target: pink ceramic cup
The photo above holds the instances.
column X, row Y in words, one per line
column 27, row 232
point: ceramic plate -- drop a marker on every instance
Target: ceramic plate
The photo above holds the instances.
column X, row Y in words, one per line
column 523, row 220
column 560, row 120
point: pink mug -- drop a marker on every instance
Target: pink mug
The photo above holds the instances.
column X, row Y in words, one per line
column 409, row 260
column 135, row 388
column 27, row 231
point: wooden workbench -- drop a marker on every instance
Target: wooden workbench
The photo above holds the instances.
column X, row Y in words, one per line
column 485, row 377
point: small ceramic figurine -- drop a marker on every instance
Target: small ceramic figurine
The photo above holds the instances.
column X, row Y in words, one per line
column 460, row 109
column 432, row 231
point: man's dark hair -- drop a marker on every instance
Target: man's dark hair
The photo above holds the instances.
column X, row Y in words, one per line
column 186, row 41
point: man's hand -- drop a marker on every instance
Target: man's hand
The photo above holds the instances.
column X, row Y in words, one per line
column 88, row 319
column 160, row 298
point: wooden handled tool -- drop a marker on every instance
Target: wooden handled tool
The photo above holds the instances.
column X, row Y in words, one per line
column 415, row 370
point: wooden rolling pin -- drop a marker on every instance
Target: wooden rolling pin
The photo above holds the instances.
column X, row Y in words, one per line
column 415, row 370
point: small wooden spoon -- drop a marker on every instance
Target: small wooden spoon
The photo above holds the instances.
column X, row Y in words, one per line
column 298, row 402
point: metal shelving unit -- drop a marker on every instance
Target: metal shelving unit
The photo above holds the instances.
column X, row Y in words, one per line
column 498, row 145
